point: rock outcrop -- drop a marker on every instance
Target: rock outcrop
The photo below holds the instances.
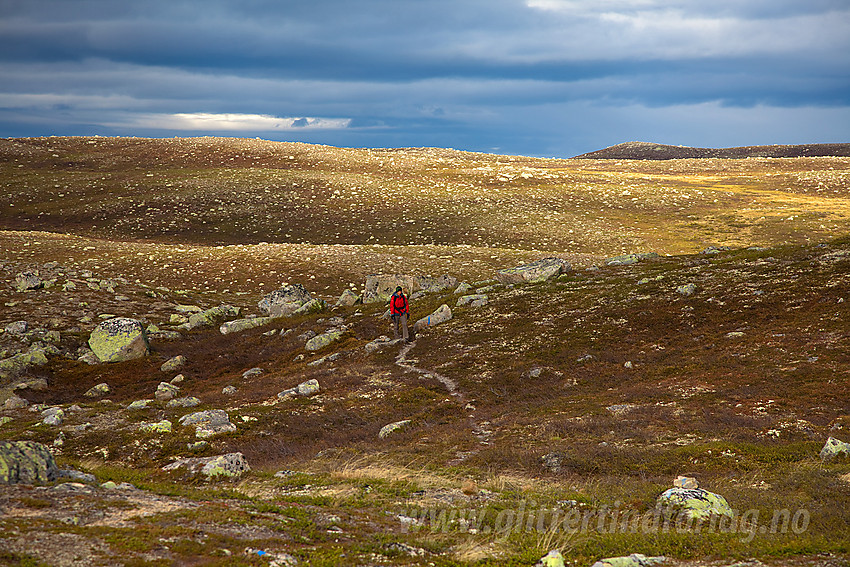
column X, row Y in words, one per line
column 538, row 271
column 284, row 301
column 119, row 339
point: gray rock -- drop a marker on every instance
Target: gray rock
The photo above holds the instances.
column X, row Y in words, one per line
column 307, row 388
column 834, row 448
column 475, row 300
column 208, row 423
column 463, row 289
column 312, row 306
column 229, row 465
column 715, row 250
column 687, row 289
column 633, row 560
column 15, row 402
column 53, row 416
column 379, row 287
column 75, row 475
column 239, row 325
column 252, row 372
column 553, row 461
column 26, row 281
column 188, row 402
column 119, row 339
column 228, row 390
column 284, row 301
column 348, row 299
column 430, row 284
column 96, row 391
column 26, row 462
column 628, row 259
column 34, row 384
column 540, row 270
column 17, row 328
column 441, row 315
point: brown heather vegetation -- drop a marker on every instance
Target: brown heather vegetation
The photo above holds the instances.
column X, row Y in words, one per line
column 738, row 384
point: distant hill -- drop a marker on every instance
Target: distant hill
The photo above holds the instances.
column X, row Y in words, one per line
column 648, row 150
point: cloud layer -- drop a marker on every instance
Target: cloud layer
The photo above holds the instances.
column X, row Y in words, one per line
column 539, row 77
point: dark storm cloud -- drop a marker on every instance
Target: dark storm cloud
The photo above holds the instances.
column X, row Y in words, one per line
column 495, row 73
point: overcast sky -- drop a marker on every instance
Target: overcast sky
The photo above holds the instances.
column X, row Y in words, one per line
column 531, row 77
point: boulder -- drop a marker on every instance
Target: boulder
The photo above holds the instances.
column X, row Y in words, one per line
column 284, row 301
column 256, row 371
column 833, row 448
column 173, row 363
column 228, row 390
column 166, row 391
column 379, row 287
column 538, row 271
column 26, row 281
column 15, row 402
column 441, row 315
column 239, row 325
column 312, row 306
column 208, row 423
column 430, row 284
column 26, row 462
column 307, row 388
column 139, row 404
column 53, row 416
column 628, row 259
column 321, row 341
column 211, row 317
column 119, row 339
column 474, row 300
column 34, row 384
column 96, row 391
column 229, row 465
column 633, row 560
column 695, row 503
column 348, row 298
column 463, row 289
column 392, row 428
column 20, row 363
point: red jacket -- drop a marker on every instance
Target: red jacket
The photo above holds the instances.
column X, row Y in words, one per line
column 398, row 304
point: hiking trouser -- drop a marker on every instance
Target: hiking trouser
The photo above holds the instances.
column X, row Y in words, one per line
column 400, row 321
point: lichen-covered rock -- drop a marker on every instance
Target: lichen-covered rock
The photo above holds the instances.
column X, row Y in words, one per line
column 239, row 325
column 229, row 465
column 833, row 448
column 633, row 560
column 463, row 289
column 474, row 300
column 392, row 428
column 140, row 404
column 307, row 388
column 348, row 298
column 284, row 301
column 208, row 423
column 26, row 462
column 687, row 289
column 321, row 341
column 173, row 363
column 540, row 270
column 20, row 363
column 17, row 328
column 53, row 416
column 119, row 339
column 163, row 426
column 96, row 391
column 26, row 281
column 312, row 306
column 188, row 402
column 628, row 259
column 695, row 503
column 551, row 559
column 441, row 315
column 211, row 317
column 165, row 391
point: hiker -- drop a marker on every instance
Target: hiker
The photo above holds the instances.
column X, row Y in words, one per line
column 399, row 310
